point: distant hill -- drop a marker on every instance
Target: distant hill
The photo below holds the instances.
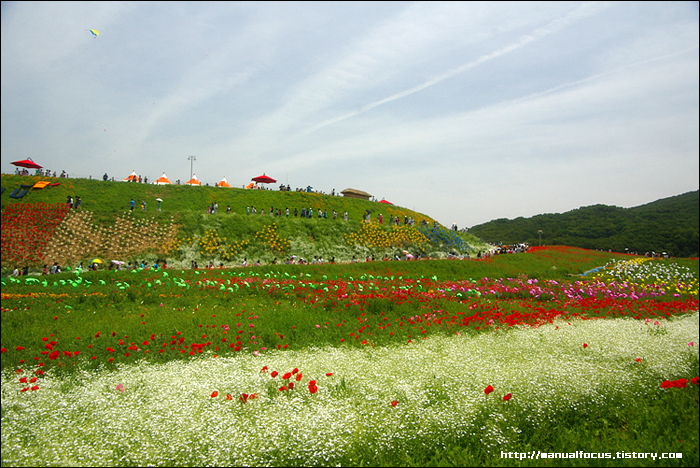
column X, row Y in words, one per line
column 666, row 225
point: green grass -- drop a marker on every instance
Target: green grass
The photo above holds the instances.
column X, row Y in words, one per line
column 186, row 208
column 418, row 333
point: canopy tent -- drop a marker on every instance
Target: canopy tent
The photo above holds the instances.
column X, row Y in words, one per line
column 264, row 179
column 250, row 185
column 28, row 163
column 223, row 183
column 132, row 177
column 163, row 180
column 193, row 181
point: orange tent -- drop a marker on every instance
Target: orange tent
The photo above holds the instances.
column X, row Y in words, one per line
column 223, row 183
column 250, row 185
column 132, row 177
column 193, row 181
column 163, row 180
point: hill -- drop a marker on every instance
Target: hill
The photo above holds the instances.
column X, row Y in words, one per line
column 38, row 229
column 666, row 225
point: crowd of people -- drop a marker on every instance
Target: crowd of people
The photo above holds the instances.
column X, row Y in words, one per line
column 40, row 172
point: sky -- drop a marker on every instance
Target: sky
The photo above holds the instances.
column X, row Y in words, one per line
column 466, row 112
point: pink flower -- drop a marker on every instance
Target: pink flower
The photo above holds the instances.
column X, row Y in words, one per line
column 120, row 387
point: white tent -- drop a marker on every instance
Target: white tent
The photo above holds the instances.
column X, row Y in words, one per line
column 163, row 180
column 193, row 181
column 223, row 183
column 132, row 177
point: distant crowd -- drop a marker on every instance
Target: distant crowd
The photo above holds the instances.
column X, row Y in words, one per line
column 40, row 172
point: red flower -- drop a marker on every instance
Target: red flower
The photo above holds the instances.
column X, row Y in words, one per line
column 298, row 377
column 290, row 385
column 695, row 380
column 295, row 370
column 585, row 345
column 20, row 348
column 264, row 369
column 312, row 387
column 488, row 389
column 329, row 374
column 680, row 383
column 273, row 374
column 243, row 397
column 283, row 388
column 214, row 394
column 394, row 403
column 54, row 355
column 229, row 397
column 507, row 397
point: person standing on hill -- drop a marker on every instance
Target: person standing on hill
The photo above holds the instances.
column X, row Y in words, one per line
column 143, row 205
column 78, row 202
column 132, row 204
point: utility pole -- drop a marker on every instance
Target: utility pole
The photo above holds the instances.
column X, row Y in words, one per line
column 540, row 233
column 192, row 160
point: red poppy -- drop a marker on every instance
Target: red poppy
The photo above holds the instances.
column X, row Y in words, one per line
column 263, row 369
column 54, row 355
column 273, row 374
column 299, row 376
column 243, row 397
column 585, row 345
column 214, row 394
column 394, row 403
column 507, row 397
column 312, row 387
column 488, row 389
column 329, row 374
column 295, row 370
column 229, row 397
column 286, row 376
column 695, row 380
column 290, row 385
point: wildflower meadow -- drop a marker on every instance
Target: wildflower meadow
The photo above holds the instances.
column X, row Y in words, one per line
column 431, row 362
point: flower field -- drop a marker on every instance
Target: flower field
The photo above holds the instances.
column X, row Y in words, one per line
column 385, row 363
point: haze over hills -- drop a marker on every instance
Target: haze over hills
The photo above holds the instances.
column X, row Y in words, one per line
column 665, row 225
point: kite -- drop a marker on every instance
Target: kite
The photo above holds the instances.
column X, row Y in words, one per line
column 94, row 32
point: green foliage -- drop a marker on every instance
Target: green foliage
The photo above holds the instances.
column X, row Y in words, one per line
column 229, row 237
column 666, row 225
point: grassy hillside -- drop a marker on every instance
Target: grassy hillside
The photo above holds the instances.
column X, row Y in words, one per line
column 666, row 225
column 38, row 230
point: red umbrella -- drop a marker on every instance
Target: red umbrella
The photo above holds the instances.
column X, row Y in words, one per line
column 385, row 201
column 264, row 179
column 28, row 163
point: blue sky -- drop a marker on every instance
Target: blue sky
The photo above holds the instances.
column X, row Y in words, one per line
column 466, row 112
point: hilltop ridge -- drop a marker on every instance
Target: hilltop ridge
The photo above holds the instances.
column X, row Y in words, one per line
column 183, row 231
